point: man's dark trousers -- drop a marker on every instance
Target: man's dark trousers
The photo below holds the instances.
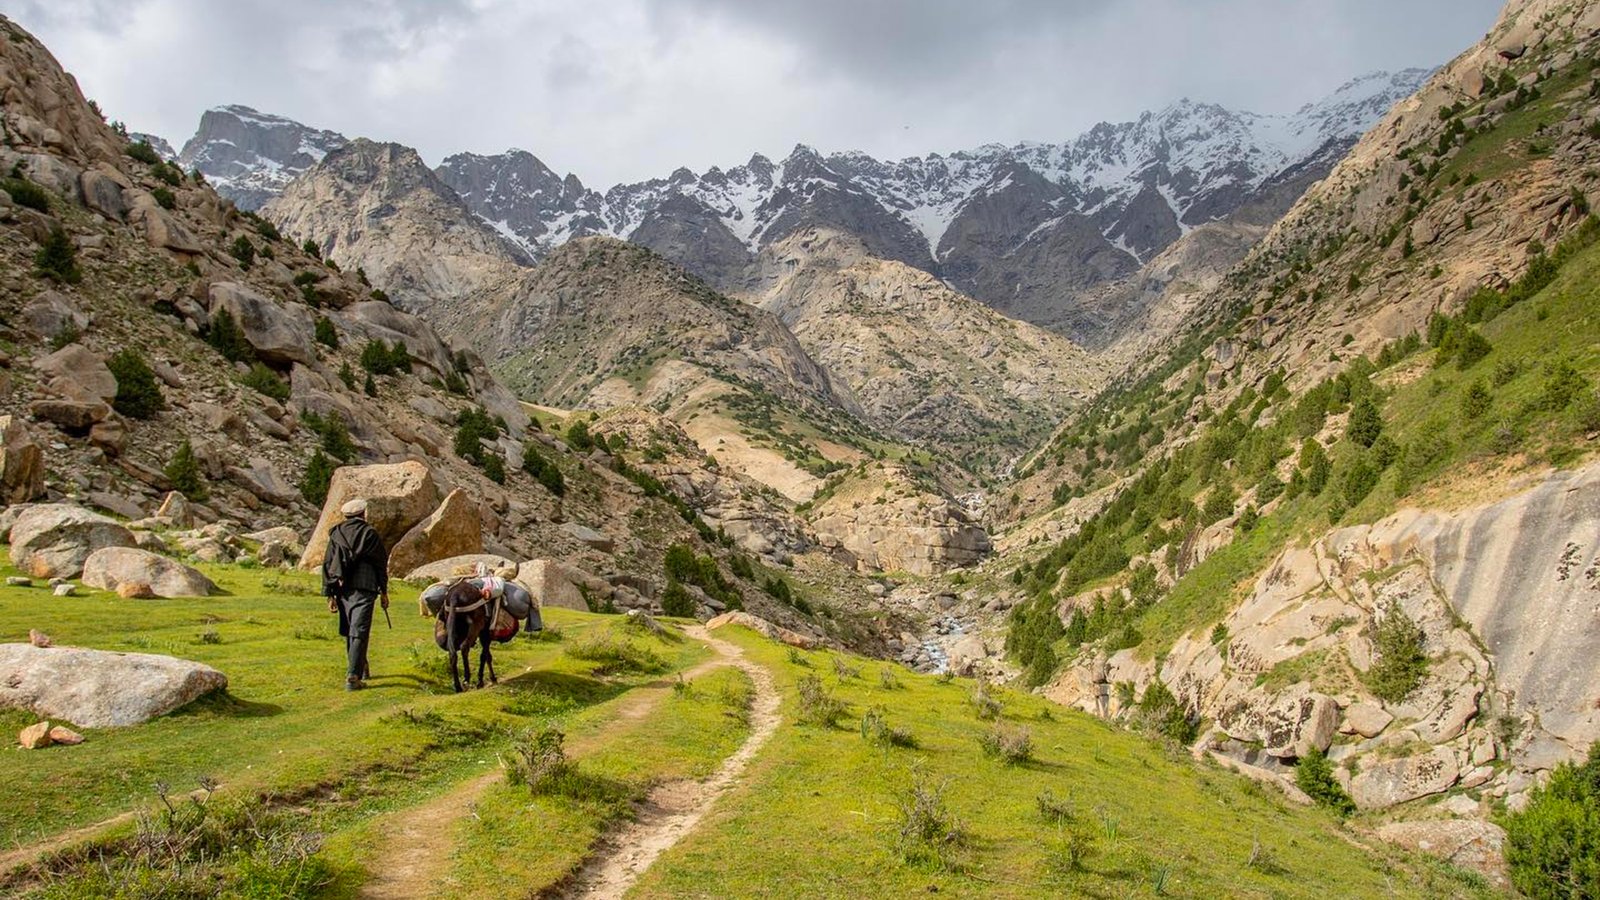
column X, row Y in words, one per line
column 355, row 624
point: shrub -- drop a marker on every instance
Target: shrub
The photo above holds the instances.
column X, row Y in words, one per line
column 1359, row 480
column 227, row 338
column 143, row 152
column 57, row 260
column 183, row 470
column 311, row 249
column 334, row 434
column 369, row 387
column 676, row 600
column 543, row 470
column 1365, row 422
column 379, row 358
column 984, row 703
column 1314, row 775
column 1562, row 385
column 616, row 656
column 494, row 467
column 926, row 831
column 578, row 436
column 316, row 479
column 1159, row 711
column 167, row 174
column 817, row 705
column 1553, row 843
column 1400, row 663
column 348, row 376
column 1476, row 401
column 25, row 193
column 1012, row 746
column 164, row 198
column 265, row 381
column 327, row 335
column 538, row 760
column 138, row 392
column 876, row 730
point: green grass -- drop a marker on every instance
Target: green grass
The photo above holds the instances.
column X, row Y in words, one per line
column 687, row 736
column 286, row 726
column 817, row 816
column 1504, row 147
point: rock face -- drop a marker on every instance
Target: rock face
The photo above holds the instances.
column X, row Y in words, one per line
column 398, row 496
column 890, row 524
column 21, row 463
column 250, row 156
column 110, row 568
column 279, row 333
column 1468, row 843
column 99, row 689
column 454, row 529
column 1390, row 782
column 52, row 540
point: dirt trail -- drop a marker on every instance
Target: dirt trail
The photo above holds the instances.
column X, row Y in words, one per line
column 416, row 852
column 672, row 810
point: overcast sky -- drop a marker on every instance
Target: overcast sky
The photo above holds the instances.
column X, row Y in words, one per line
column 629, row 89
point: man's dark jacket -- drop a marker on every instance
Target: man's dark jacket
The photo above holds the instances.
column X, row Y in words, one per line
column 356, row 560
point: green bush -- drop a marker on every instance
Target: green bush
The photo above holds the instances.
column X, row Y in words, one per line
column 348, row 376
column 334, row 435
column 379, row 358
column 327, row 335
column 138, row 392
column 227, row 338
column 318, row 475
column 243, row 251
column 1365, row 423
column 167, row 174
column 494, row 467
column 676, row 601
column 311, row 249
column 183, row 470
column 1400, row 663
column 25, row 193
column 817, row 705
column 143, row 152
column 164, row 198
column 1359, row 480
column 543, row 470
column 1159, row 711
column 265, row 381
column 578, row 436
column 1314, row 775
column 1476, row 401
column 57, row 260
column 1553, row 844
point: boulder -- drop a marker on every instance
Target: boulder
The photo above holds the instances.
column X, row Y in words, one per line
column 763, row 627
column 1366, row 719
column 21, row 463
column 35, row 736
column 1384, row 783
column 589, row 537
column 1468, row 843
column 77, row 373
column 53, row 539
column 1287, row 724
column 552, row 584
column 161, row 229
column 281, row 534
column 455, row 566
column 454, row 529
column 110, row 435
column 112, row 567
column 262, row 480
column 175, row 507
column 398, row 495
column 52, row 312
column 72, row 415
column 279, row 334
column 126, row 507
column 99, row 688
column 967, row 653
column 377, row 320
column 102, row 191
column 64, row 736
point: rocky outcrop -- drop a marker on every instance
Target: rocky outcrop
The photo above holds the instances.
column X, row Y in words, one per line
column 398, row 496
column 21, row 463
column 454, row 529
column 280, row 334
column 766, row 629
column 553, row 584
column 97, row 688
column 887, row 523
column 52, row 540
column 251, row 156
column 113, row 568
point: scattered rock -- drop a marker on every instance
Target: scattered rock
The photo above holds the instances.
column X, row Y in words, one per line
column 1366, row 719
column 134, row 590
column 73, row 415
column 18, row 581
column 263, row 481
column 35, row 736
column 111, row 568
column 53, row 539
column 66, row 737
column 99, row 688
column 52, row 312
column 38, row 638
column 590, row 537
column 64, row 590
column 552, row 584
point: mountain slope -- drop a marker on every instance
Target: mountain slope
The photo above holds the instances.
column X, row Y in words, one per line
column 249, row 157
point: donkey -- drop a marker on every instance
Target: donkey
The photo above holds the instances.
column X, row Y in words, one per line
column 464, row 619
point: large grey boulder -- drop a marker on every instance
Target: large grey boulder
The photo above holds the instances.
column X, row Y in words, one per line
column 279, row 333
column 102, row 191
column 1290, row 724
column 376, row 320
column 21, row 463
column 454, row 529
column 53, row 540
column 552, row 584
column 51, row 312
column 77, row 373
column 110, row 568
column 454, row 566
column 262, row 480
column 98, row 688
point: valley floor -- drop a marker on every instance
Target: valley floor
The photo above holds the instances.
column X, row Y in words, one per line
column 696, row 739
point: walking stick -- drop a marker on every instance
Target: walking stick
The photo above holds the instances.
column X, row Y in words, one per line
column 387, row 619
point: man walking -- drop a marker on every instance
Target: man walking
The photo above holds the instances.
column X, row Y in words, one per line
column 355, row 576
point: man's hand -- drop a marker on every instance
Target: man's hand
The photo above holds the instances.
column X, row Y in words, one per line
column 384, row 599
column 333, row 605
